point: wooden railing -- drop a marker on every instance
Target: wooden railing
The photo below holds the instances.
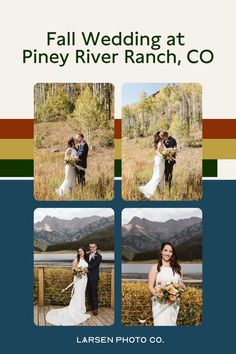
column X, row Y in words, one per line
column 41, row 285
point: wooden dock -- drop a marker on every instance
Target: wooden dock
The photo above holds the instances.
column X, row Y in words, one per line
column 105, row 316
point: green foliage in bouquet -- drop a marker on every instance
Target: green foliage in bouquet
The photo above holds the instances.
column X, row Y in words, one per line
column 55, row 280
column 136, row 305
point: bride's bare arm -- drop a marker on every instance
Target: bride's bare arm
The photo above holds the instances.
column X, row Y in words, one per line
column 74, row 264
column 152, row 279
column 68, row 152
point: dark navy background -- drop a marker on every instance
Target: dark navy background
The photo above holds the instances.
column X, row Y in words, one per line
column 18, row 332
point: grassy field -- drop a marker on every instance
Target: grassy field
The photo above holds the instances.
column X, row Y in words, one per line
column 50, row 145
column 137, row 168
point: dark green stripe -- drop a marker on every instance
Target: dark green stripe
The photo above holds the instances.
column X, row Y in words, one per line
column 209, row 168
column 117, row 168
column 16, row 168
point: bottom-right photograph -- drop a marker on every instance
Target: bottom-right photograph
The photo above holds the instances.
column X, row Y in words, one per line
column 162, row 266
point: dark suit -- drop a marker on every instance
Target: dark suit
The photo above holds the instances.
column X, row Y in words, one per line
column 93, row 278
column 82, row 153
column 169, row 143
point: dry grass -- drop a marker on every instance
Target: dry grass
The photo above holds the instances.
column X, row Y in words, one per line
column 49, row 165
column 137, row 168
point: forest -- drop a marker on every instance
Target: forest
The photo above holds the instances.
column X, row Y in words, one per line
column 92, row 105
column 176, row 108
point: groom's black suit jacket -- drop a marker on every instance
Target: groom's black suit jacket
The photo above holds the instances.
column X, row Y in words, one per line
column 82, row 153
column 93, row 266
column 170, row 142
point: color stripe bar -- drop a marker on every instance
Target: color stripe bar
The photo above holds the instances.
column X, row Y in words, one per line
column 16, row 149
column 16, row 128
column 219, row 149
column 219, row 128
column 209, row 168
column 16, row 168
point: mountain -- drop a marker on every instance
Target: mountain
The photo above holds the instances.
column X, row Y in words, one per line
column 141, row 235
column 104, row 238
column 52, row 230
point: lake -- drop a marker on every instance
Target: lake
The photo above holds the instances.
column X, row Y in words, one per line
column 140, row 271
column 65, row 259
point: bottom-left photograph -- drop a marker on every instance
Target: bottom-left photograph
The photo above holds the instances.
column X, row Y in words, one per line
column 74, row 267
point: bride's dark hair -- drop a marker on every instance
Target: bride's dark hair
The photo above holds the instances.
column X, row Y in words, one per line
column 78, row 256
column 156, row 140
column 71, row 142
column 176, row 268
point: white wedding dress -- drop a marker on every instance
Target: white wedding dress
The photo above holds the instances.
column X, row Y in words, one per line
column 165, row 314
column 70, row 181
column 158, row 176
column 75, row 313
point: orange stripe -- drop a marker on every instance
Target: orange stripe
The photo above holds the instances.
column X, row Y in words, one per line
column 16, row 128
column 24, row 128
column 219, row 128
column 117, row 128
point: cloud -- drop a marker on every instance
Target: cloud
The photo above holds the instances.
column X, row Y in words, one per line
column 70, row 213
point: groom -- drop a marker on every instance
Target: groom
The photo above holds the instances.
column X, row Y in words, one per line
column 94, row 260
column 82, row 153
column 169, row 142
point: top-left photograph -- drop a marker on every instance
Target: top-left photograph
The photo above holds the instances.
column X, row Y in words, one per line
column 74, row 141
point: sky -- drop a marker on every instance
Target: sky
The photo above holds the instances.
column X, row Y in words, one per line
column 131, row 92
column 70, row 213
column 160, row 214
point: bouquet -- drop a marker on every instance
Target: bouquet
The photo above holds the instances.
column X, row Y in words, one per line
column 71, row 160
column 169, row 292
column 79, row 272
column 169, row 154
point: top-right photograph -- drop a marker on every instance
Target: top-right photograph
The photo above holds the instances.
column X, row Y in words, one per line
column 162, row 141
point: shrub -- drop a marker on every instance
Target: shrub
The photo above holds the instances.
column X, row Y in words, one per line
column 107, row 140
column 57, row 279
column 136, row 304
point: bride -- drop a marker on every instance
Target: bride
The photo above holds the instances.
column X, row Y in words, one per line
column 70, row 181
column 166, row 271
column 159, row 167
column 75, row 313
